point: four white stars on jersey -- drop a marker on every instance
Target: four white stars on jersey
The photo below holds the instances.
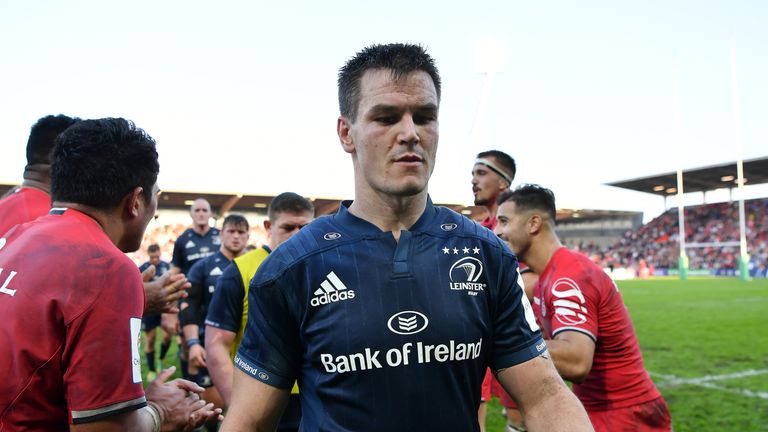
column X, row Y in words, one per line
column 455, row 251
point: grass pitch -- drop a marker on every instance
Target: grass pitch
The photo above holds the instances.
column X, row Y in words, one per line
column 704, row 342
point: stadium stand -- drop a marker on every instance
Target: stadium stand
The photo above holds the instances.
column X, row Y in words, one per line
column 655, row 244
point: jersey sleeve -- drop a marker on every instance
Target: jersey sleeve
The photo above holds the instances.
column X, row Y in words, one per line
column 178, row 254
column 226, row 308
column 574, row 302
column 271, row 348
column 191, row 313
column 517, row 337
column 101, row 357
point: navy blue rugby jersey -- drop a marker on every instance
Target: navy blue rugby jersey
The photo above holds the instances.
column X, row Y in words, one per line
column 191, row 247
column 202, row 277
column 160, row 269
column 385, row 335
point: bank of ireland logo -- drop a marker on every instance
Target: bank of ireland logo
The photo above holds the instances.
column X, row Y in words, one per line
column 407, row 322
column 569, row 302
column 465, row 274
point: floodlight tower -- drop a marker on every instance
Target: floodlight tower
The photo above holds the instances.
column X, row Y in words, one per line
column 488, row 61
column 682, row 261
column 743, row 253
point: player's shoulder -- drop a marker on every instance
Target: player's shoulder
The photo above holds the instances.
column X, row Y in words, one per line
column 448, row 223
column 321, row 235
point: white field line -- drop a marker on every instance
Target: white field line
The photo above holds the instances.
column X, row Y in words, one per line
column 706, row 382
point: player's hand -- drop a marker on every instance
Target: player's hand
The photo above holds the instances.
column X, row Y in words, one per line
column 176, row 401
column 197, row 356
column 163, row 294
column 170, row 323
column 203, row 416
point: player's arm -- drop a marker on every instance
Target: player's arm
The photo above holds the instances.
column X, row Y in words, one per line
column 542, row 395
column 225, row 316
column 217, row 344
column 572, row 353
column 255, row 406
column 174, row 406
column 190, row 315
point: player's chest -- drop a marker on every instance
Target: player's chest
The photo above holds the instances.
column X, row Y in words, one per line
column 423, row 291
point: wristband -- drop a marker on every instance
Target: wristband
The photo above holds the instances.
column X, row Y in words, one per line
column 192, row 342
column 155, row 417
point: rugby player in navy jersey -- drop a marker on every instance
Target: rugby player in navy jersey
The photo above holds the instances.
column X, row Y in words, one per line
column 389, row 311
column 228, row 311
column 195, row 243
column 203, row 276
column 150, row 322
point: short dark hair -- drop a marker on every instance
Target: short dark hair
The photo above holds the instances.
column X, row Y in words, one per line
column 531, row 197
column 43, row 135
column 289, row 202
column 236, row 220
column 506, row 161
column 401, row 59
column 98, row 162
column 154, row 247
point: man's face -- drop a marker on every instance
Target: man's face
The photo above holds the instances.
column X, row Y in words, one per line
column 134, row 229
column 234, row 238
column 285, row 225
column 394, row 139
column 511, row 226
column 154, row 258
column 201, row 212
column 486, row 184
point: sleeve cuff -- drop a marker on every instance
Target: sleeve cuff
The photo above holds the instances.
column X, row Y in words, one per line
column 255, row 370
column 534, row 348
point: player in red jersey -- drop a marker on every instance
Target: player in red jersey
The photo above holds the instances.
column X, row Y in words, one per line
column 31, row 200
column 72, row 301
column 492, row 175
column 580, row 309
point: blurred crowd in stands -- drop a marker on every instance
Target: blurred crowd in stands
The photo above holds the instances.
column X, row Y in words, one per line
column 655, row 245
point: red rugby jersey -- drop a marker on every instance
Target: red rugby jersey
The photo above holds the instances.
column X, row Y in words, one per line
column 71, row 304
column 574, row 294
column 26, row 204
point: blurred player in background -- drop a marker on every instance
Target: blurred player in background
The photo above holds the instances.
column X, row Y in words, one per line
column 32, row 199
column 589, row 331
column 228, row 311
column 73, row 300
column 203, row 276
column 492, row 174
column 195, row 243
column 150, row 322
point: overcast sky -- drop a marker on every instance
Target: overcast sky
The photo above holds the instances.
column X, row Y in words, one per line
column 241, row 96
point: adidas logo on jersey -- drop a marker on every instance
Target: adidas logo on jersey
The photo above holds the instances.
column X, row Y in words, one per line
column 331, row 290
column 216, row 272
column 190, row 244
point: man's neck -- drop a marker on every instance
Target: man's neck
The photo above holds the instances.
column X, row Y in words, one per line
column 492, row 209
column 540, row 253
column 201, row 229
column 110, row 223
column 228, row 253
column 38, row 176
column 390, row 213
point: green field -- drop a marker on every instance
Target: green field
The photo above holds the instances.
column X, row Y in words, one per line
column 703, row 329
column 707, row 330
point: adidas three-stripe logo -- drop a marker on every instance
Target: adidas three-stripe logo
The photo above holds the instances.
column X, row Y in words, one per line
column 331, row 290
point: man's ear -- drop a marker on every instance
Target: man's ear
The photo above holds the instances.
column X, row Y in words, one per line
column 535, row 223
column 133, row 202
column 267, row 225
column 344, row 130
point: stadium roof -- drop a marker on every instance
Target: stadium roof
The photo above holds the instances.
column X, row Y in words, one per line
column 222, row 203
column 699, row 179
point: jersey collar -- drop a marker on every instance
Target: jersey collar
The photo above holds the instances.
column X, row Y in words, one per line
column 360, row 226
